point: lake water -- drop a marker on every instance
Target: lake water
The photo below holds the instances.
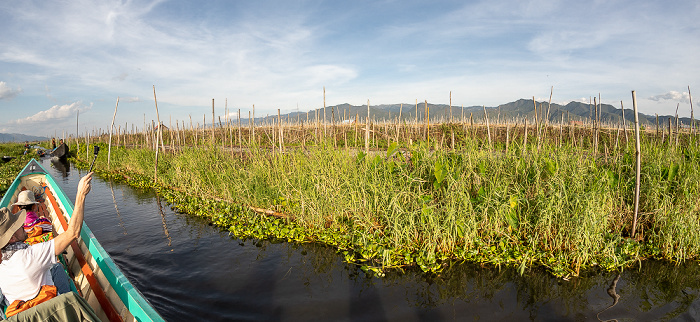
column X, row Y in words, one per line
column 191, row 271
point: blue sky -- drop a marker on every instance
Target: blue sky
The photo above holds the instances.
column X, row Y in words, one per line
column 61, row 57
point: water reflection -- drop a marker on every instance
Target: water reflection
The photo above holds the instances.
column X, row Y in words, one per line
column 165, row 224
column 116, row 208
column 62, row 166
column 616, row 298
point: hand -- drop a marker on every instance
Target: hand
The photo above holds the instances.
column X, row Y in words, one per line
column 85, row 185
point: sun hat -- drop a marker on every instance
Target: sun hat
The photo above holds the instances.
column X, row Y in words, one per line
column 9, row 224
column 24, row 198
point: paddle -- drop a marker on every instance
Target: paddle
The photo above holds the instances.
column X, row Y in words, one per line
column 96, row 151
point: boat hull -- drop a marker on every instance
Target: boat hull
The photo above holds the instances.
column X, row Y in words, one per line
column 94, row 273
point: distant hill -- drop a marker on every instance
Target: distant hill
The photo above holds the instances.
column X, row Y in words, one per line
column 16, row 137
column 573, row 111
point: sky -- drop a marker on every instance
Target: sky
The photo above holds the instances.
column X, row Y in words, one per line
column 64, row 64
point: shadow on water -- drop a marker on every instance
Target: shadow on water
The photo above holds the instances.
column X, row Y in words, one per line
column 190, row 270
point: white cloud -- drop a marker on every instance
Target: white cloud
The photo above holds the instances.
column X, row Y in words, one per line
column 56, row 112
column 6, row 92
column 683, row 97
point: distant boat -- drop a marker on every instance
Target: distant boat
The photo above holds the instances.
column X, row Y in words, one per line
column 60, row 151
column 95, row 275
column 7, row 158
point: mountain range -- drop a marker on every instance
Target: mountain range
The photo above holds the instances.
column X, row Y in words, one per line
column 523, row 108
column 16, row 137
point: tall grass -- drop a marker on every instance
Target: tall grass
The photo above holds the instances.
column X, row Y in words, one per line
column 558, row 205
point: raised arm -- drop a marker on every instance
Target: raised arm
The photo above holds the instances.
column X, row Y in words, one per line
column 62, row 241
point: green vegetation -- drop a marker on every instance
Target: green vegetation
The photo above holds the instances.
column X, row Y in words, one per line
column 10, row 169
column 555, row 203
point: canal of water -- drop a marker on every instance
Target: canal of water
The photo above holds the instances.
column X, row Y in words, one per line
column 191, row 271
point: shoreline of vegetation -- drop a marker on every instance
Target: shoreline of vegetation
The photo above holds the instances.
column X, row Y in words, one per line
column 559, row 196
column 554, row 203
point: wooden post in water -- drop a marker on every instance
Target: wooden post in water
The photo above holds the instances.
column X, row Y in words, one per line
column 624, row 125
column 109, row 147
column 692, row 119
column 678, row 124
column 507, row 135
column 77, row 134
column 367, row 130
column 252, row 126
column 213, row 119
column 638, row 168
column 279, row 123
column 657, row 125
column 488, row 128
column 427, row 123
column 398, row 125
column 450, row 107
column 670, row 133
column 525, row 138
column 158, row 137
column 240, row 138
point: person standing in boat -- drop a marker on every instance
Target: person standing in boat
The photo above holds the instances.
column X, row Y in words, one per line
column 25, row 271
column 53, row 143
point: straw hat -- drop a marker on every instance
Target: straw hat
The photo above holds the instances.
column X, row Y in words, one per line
column 9, row 224
column 24, row 198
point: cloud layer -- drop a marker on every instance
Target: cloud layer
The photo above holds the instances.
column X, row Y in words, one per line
column 8, row 93
column 281, row 54
column 54, row 113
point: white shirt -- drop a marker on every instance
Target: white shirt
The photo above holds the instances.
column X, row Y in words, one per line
column 22, row 276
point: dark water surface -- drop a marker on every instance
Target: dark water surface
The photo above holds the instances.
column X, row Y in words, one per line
column 191, row 271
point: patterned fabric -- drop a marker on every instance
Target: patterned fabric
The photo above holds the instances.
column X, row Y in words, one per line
column 37, row 235
column 42, row 222
column 10, row 249
column 38, row 230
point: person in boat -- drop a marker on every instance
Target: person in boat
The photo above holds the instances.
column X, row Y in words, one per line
column 38, row 227
column 25, row 271
column 53, row 143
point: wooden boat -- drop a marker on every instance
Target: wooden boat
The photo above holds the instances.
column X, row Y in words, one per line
column 95, row 275
column 60, row 151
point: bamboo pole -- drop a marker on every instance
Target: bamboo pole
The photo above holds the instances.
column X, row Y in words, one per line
column 525, row 138
column 507, row 135
column 213, row 119
column 427, row 122
column 670, row 133
column 678, row 124
column 692, row 118
column 109, row 147
column 638, row 163
column 624, row 124
column 398, row 125
column 279, row 124
column 451, row 107
column 488, row 128
column 158, row 137
column 252, row 127
column 595, row 126
column 367, row 130
column 77, row 134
